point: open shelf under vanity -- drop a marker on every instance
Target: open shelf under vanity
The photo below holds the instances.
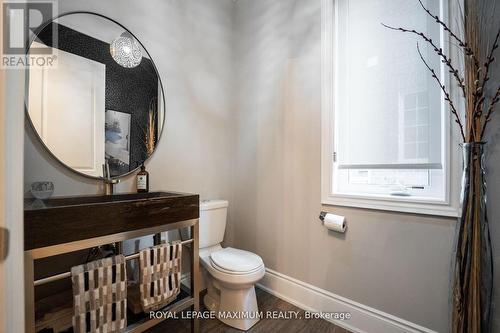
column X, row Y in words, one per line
column 55, row 312
column 80, row 223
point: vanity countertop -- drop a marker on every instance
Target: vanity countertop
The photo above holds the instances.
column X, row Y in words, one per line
column 66, row 219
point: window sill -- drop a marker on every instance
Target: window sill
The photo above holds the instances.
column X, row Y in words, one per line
column 435, row 208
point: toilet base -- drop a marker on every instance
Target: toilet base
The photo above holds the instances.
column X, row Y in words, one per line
column 234, row 307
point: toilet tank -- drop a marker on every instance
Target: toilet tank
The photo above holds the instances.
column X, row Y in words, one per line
column 213, row 215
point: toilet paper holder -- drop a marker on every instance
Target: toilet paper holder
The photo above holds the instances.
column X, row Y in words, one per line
column 333, row 222
column 322, row 216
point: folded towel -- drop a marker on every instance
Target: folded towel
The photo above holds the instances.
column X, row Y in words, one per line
column 100, row 296
column 160, row 275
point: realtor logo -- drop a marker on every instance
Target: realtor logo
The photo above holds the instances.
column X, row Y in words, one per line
column 21, row 20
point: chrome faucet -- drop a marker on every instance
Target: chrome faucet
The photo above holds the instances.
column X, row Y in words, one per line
column 108, row 181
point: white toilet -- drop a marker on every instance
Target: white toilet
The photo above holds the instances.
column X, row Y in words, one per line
column 229, row 274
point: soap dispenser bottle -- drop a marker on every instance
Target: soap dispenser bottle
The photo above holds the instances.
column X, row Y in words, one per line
column 142, row 180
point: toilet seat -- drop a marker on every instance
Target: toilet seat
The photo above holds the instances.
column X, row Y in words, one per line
column 233, row 261
column 232, row 278
column 222, row 270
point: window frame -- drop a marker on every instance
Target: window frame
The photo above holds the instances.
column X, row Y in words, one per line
column 449, row 206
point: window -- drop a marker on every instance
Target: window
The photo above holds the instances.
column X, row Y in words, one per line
column 385, row 125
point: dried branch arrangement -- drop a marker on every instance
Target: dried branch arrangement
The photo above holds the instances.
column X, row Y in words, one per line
column 150, row 134
column 150, row 138
column 472, row 284
column 479, row 108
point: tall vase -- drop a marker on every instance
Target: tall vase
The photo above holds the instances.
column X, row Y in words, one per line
column 472, row 261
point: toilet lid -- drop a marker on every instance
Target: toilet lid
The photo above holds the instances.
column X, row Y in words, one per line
column 235, row 260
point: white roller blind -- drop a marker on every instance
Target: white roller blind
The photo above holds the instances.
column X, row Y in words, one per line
column 388, row 107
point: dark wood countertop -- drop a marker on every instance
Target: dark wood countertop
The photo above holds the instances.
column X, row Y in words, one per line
column 66, row 219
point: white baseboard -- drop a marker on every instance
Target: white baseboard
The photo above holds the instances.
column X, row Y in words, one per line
column 364, row 319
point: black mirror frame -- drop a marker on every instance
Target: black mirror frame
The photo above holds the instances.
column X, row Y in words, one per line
column 26, row 93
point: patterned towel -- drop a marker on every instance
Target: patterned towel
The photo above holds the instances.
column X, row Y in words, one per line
column 160, row 275
column 100, row 296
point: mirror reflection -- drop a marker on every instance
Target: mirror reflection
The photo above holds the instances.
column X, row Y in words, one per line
column 100, row 105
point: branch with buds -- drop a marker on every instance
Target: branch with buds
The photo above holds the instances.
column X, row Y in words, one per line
column 474, row 85
column 445, row 92
column 439, row 51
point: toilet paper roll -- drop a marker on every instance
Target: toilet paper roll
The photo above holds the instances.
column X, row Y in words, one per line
column 335, row 222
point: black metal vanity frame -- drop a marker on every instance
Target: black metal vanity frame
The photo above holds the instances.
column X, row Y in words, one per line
column 132, row 216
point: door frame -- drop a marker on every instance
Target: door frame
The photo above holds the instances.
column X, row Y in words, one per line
column 11, row 197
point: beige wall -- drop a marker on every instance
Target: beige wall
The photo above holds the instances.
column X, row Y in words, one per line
column 190, row 42
column 397, row 263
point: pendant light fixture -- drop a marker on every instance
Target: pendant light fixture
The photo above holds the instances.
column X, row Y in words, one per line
column 126, row 51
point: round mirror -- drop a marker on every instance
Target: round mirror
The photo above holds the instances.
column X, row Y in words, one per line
column 97, row 102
